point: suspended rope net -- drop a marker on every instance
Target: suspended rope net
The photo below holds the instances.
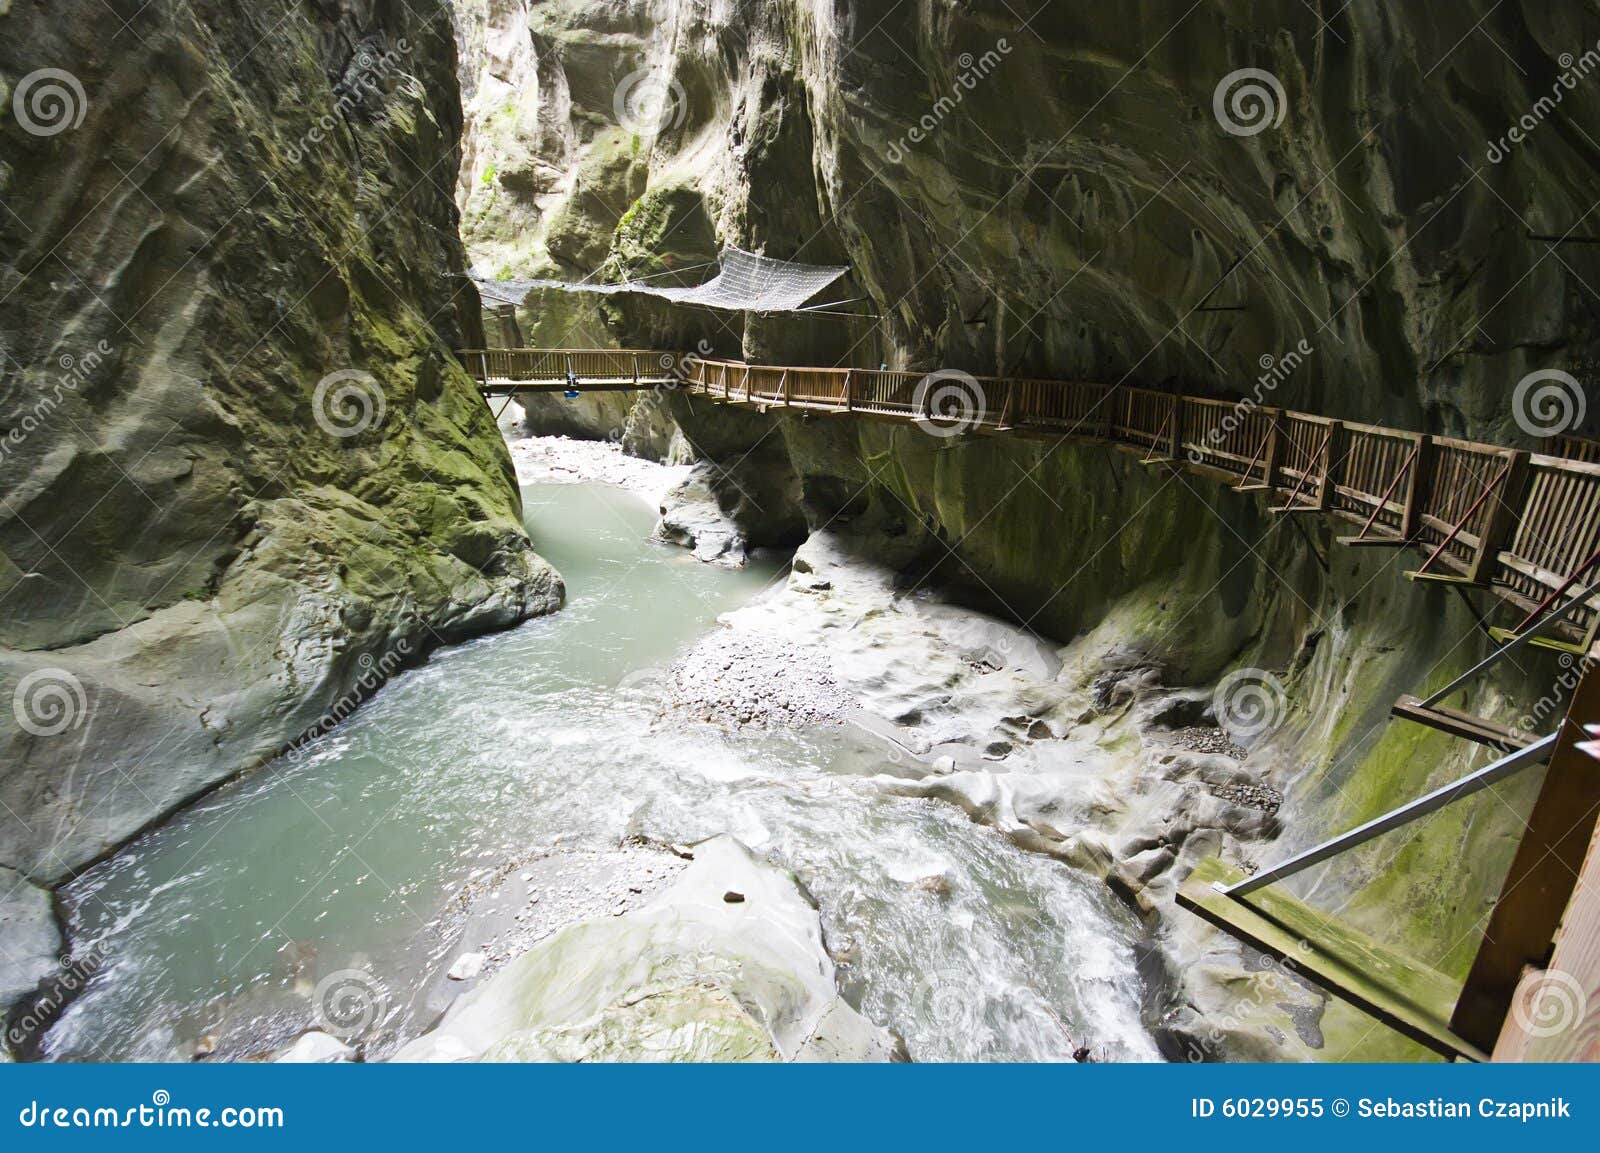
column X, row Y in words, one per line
column 745, row 282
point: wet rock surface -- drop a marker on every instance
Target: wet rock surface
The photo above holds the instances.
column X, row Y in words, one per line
column 686, row 975
column 31, row 941
column 504, row 911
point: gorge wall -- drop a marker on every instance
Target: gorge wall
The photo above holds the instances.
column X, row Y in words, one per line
column 1079, row 192
column 242, row 480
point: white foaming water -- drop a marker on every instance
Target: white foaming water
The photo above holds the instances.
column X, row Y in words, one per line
column 221, row 923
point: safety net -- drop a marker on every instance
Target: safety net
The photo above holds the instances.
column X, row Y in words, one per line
column 745, row 282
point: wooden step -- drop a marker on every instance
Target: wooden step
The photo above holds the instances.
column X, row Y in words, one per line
column 1460, row 724
column 1447, row 579
column 1374, row 541
column 1554, row 643
column 1283, row 508
column 1409, row 997
column 1251, row 487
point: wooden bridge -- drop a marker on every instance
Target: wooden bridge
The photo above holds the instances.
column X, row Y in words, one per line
column 1523, row 526
column 504, row 371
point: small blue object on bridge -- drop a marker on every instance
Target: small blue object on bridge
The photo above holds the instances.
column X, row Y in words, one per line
column 571, row 394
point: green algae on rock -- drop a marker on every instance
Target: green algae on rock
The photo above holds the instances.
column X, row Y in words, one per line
column 266, row 485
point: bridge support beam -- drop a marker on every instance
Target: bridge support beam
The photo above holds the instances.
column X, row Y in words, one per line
column 1543, row 875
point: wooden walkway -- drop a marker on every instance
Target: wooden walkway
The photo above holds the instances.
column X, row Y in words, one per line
column 1524, row 525
column 504, row 371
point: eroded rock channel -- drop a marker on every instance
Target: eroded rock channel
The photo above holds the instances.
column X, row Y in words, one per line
column 571, row 772
column 353, row 726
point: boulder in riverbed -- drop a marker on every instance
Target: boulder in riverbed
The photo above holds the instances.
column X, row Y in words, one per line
column 688, row 977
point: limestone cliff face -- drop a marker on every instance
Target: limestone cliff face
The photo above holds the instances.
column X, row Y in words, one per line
column 1164, row 194
column 241, row 479
column 1083, row 195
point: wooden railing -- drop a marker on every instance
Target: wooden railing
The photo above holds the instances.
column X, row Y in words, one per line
column 555, row 366
column 1523, row 524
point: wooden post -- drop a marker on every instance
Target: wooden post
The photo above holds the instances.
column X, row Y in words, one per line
column 783, row 384
column 1175, row 445
column 636, row 370
column 1502, row 518
column 724, row 384
column 1269, row 473
column 1576, row 957
column 849, row 394
column 1417, row 488
column 1332, row 461
column 1543, row 875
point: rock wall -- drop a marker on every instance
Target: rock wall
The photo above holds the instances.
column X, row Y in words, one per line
column 243, row 480
column 1083, row 196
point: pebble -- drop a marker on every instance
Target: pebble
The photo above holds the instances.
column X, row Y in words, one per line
column 1202, row 739
column 741, row 678
column 467, row 966
column 1262, row 797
